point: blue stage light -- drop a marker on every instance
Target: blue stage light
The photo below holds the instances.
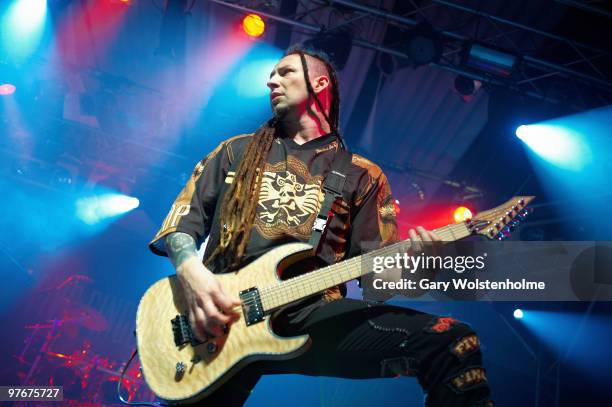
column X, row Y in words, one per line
column 94, row 209
column 581, row 339
column 253, row 76
column 556, row 144
column 518, row 313
column 23, row 26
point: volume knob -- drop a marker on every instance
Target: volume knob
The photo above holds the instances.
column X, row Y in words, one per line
column 211, row 347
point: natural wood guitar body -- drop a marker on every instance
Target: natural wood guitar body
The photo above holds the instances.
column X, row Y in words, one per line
column 243, row 344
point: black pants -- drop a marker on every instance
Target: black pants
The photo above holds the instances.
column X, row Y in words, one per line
column 360, row 340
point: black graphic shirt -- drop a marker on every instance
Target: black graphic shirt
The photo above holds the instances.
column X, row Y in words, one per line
column 289, row 200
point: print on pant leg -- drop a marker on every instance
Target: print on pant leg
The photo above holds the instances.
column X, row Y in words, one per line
column 465, row 346
column 440, row 325
column 393, row 331
column 469, row 378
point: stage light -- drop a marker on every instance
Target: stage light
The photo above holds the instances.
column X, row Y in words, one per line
column 466, row 87
column 94, row 209
column 7, row 89
column 490, row 60
column 424, row 45
column 22, row 26
column 28, row 14
column 580, row 338
column 518, row 313
column 462, row 214
column 253, row 75
column 559, row 145
column 253, row 25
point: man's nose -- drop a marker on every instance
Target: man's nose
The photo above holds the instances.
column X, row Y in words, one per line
column 273, row 83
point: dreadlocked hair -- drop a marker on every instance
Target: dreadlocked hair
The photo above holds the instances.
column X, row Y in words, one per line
column 240, row 200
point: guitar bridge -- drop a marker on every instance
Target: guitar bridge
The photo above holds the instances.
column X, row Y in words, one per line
column 251, row 306
column 182, row 332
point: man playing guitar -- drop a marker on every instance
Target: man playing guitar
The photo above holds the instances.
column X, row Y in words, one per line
column 261, row 190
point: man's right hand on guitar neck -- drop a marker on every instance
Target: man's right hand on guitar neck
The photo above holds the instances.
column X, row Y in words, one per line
column 210, row 307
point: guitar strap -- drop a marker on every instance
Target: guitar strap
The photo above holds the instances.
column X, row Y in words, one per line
column 333, row 185
column 215, row 229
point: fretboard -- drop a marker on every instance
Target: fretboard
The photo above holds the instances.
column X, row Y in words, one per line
column 305, row 285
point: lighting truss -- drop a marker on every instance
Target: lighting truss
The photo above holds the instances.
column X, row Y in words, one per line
column 533, row 73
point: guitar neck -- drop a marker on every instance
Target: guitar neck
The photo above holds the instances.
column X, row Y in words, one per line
column 305, row 285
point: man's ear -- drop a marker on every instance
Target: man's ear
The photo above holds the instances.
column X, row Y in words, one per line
column 320, row 83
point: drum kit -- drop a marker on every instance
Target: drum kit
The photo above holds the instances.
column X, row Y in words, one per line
column 56, row 353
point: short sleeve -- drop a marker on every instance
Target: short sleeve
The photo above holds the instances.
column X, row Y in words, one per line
column 374, row 224
column 193, row 209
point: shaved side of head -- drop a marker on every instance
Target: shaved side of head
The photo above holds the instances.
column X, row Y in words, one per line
column 316, row 67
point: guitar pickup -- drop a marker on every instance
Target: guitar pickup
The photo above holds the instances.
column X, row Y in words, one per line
column 251, row 306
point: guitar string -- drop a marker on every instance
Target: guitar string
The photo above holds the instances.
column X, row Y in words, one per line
column 281, row 291
column 297, row 285
column 307, row 281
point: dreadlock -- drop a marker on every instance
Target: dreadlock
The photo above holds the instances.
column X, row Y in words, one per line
column 240, row 201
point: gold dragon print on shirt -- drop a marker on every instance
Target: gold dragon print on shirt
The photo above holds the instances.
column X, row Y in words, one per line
column 289, row 200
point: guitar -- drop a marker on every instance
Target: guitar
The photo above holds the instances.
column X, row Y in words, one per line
column 180, row 369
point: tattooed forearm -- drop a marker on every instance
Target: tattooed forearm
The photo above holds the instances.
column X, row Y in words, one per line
column 180, row 246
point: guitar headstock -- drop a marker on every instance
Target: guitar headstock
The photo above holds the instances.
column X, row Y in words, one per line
column 497, row 223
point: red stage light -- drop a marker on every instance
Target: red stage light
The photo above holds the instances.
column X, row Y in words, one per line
column 253, row 25
column 462, row 214
column 7, row 89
